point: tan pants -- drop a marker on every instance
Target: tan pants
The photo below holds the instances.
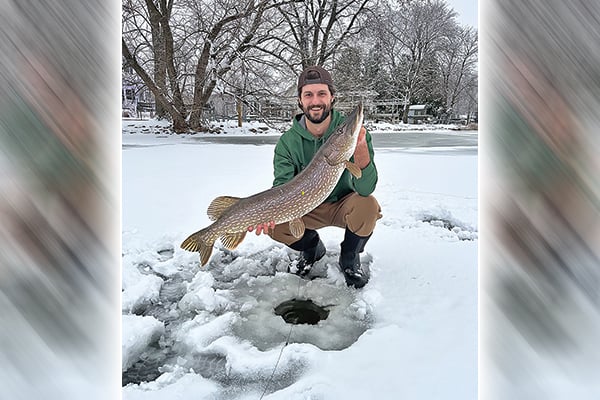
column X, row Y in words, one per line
column 356, row 212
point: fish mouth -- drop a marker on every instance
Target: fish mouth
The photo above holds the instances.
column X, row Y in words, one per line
column 356, row 116
column 359, row 112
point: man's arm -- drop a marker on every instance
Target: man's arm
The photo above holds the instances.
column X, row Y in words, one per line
column 283, row 167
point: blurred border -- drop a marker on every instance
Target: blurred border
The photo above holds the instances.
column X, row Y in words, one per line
column 540, row 200
column 60, row 199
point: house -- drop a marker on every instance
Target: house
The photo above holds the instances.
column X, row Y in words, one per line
column 136, row 98
column 419, row 113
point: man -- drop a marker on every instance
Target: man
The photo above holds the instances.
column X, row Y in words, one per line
column 350, row 205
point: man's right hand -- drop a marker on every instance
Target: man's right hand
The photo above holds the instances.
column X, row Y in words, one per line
column 262, row 228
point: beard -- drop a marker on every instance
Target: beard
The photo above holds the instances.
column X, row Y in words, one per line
column 325, row 110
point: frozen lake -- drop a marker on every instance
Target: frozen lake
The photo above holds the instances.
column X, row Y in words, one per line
column 212, row 332
column 456, row 142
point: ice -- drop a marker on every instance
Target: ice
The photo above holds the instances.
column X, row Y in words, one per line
column 410, row 333
column 138, row 333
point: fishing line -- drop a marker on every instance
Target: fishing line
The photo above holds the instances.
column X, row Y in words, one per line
column 287, row 341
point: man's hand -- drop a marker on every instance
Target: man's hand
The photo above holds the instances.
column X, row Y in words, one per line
column 362, row 135
column 263, row 228
column 361, row 153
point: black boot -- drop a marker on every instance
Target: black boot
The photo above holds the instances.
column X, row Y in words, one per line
column 312, row 250
column 351, row 247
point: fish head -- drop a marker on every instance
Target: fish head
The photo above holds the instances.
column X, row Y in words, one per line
column 346, row 135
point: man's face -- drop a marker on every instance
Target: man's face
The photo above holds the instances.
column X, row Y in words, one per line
column 316, row 101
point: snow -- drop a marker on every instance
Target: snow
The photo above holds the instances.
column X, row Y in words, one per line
column 410, row 333
column 138, row 333
column 140, row 129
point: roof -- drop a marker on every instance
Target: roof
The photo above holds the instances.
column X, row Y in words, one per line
column 417, row 107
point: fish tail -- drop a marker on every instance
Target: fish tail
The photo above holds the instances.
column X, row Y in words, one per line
column 201, row 242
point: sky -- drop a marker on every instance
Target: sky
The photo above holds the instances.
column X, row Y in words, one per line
column 467, row 10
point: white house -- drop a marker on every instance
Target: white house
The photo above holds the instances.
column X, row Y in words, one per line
column 418, row 113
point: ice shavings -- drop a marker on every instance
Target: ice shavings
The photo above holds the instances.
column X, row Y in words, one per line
column 138, row 333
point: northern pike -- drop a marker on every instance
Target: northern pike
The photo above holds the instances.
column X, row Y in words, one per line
column 284, row 203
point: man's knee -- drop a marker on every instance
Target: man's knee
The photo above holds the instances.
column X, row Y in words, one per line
column 365, row 208
column 282, row 234
column 364, row 213
column 370, row 206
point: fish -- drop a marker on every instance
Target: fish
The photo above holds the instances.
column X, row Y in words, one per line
column 289, row 202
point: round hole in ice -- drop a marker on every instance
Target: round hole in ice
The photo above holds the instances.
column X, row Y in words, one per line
column 301, row 312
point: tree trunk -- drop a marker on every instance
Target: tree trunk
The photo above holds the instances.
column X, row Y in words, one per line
column 158, row 49
column 201, row 95
column 200, row 77
column 160, row 72
column 170, row 59
column 405, row 113
column 407, row 98
column 239, row 109
column 197, row 112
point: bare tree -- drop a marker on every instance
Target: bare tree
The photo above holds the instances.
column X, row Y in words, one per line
column 458, row 62
column 226, row 40
column 215, row 35
column 418, row 28
column 315, row 29
column 147, row 29
column 404, row 50
column 156, row 51
column 179, row 122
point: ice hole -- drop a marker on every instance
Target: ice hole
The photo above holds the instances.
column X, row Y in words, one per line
column 301, row 312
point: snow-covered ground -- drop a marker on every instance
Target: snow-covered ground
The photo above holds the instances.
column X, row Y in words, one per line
column 211, row 333
column 230, row 128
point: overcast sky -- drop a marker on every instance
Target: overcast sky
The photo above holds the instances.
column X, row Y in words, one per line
column 467, row 10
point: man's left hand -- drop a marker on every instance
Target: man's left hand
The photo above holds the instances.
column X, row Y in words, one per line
column 361, row 153
column 362, row 136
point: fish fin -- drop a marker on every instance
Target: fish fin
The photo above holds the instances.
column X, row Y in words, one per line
column 218, row 206
column 196, row 242
column 232, row 240
column 353, row 168
column 297, row 227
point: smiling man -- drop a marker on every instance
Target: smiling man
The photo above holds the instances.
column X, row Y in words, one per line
column 350, row 206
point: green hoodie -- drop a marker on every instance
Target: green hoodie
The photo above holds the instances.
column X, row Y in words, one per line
column 296, row 148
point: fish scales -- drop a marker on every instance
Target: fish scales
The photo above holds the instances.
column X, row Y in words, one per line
column 287, row 202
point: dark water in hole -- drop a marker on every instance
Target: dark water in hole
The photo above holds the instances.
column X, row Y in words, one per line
column 301, row 312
